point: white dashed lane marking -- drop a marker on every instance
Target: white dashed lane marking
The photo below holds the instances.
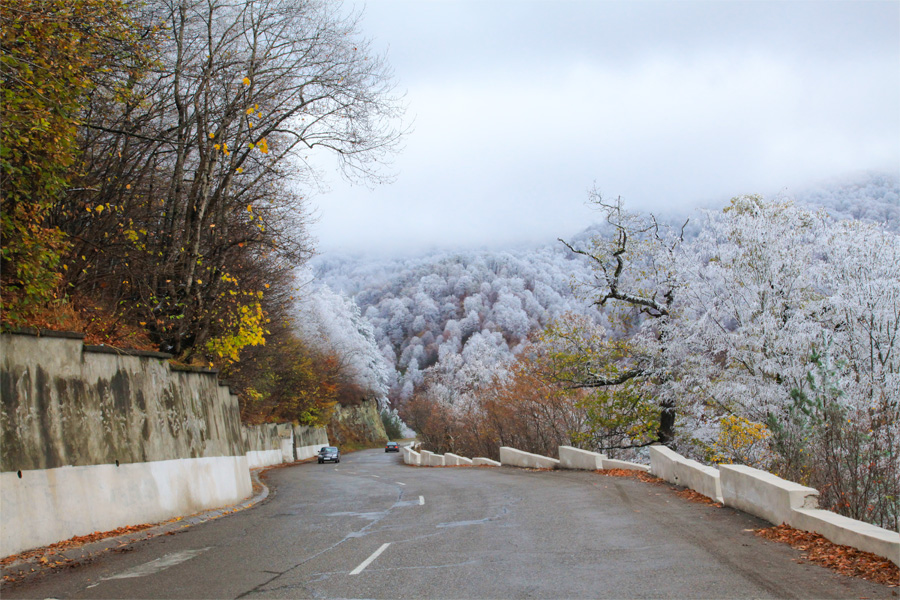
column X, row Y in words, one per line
column 369, row 560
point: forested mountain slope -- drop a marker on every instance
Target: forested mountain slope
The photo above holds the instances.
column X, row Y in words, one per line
column 469, row 311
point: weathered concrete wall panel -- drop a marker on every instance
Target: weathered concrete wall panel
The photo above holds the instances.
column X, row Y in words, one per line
column 93, row 438
column 609, row 463
column 64, row 404
column 263, row 445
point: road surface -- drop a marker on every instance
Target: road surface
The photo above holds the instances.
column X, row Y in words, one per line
column 372, row 527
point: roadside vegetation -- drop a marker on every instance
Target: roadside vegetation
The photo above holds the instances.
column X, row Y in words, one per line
column 156, row 168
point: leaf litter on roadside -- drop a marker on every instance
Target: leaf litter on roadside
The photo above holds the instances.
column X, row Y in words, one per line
column 846, row 560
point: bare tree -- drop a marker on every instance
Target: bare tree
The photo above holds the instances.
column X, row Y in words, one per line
column 196, row 183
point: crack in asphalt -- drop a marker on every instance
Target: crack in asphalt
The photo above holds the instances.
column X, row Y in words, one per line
column 373, row 517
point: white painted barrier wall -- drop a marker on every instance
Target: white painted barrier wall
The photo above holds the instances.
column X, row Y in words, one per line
column 430, row 459
column 85, row 499
column 576, row 458
column 451, row 460
column 849, row 532
column 264, row 458
column 413, row 457
column 780, row 501
column 765, row 495
column 287, row 449
column 674, row 468
column 484, row 462
column 517, row 458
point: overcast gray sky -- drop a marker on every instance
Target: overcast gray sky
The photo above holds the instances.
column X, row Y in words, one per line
column 519, row 107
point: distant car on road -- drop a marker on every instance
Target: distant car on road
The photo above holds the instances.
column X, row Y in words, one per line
column 329, row 453
column 392, row 447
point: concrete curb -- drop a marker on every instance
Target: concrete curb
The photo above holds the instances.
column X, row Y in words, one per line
column 88, row 551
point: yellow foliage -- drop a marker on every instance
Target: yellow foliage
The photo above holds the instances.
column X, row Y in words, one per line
column 741, row 441
column 248, row 330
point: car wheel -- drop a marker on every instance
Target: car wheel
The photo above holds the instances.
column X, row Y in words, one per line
column 320, row 461
column 338, row 460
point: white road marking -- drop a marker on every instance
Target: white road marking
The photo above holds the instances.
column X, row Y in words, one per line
column 399, row 483
column 369, row 560
column 379, row 477
column 421, row 500
column 155, row 566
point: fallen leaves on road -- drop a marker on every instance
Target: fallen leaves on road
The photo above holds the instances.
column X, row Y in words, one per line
column 79, row 540
column 843, row 559
column 642, row 475
column 689, row 494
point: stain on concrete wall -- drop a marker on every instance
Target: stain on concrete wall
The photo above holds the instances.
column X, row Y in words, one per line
column 309, row 436
column 67, row 404
column 259, row 438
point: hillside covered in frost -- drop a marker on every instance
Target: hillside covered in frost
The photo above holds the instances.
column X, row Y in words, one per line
column 465, row 314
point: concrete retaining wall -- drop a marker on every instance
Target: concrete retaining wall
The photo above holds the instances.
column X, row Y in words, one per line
column 674, row 468
column 517, row 458
column 576, row 458
column 272, row 444
column 95, row 438
column 263, row 445
column 308, row 441
column 484, row 462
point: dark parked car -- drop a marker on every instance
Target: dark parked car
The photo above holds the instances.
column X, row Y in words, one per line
column 392, row 447
column 329, row 453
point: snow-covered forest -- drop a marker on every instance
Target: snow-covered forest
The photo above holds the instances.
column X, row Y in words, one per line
column 458, row 312
column 763, row 329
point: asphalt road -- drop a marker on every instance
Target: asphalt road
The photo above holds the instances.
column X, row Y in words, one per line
column 371, row 527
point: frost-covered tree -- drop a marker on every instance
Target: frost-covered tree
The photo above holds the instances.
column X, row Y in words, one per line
column 333, row 323
column 789, row 322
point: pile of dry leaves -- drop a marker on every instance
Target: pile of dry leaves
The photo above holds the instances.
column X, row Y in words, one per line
column 642, row 475
column 843, row 559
